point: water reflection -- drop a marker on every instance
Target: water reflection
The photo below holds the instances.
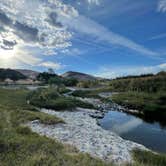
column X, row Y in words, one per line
column 153, row 136
column 126, row 127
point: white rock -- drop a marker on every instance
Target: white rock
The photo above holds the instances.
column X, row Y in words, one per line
column 83, row 132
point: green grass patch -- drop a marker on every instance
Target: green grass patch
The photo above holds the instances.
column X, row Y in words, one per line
column 152, row 106
column 146, row 158
column 51, row 99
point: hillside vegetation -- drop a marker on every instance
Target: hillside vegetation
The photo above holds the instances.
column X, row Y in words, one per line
column 11, row 74
column 146, row 83
column 145, row 93
column 52, row 99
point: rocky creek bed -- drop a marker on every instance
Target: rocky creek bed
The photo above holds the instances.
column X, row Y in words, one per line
column 82, row 131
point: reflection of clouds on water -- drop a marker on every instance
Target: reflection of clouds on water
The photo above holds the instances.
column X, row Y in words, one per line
column 128, row 126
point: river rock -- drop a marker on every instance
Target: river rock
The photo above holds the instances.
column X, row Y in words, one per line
column 82, row 131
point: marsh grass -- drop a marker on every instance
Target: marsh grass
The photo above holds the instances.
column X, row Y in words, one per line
column 151, row 106
column 51, row 99
column 147, row 158
column 20, row 146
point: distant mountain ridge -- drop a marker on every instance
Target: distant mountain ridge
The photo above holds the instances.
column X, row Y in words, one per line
column 28, row 73
column 11, row 74
column 79, row 76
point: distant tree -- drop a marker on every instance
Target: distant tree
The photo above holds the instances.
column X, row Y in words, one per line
column 45, row 77
column 70, row 82
column 51, row 71
column 55, row 81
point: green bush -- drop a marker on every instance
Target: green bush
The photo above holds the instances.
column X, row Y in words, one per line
column 51, row 99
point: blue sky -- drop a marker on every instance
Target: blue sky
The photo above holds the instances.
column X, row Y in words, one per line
column 100, row 37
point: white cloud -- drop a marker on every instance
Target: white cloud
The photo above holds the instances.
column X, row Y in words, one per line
column 35, row 22
column 160, row 36
column 162, row 6
column 53, row 65
column 31, row 26
column 96, row 2
column 127, row 126
column 113, row 72
column 87, row 26
column 18, row 57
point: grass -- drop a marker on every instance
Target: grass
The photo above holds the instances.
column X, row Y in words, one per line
column 152, row 105
column 145, row 158
column 51, row 99
column 20, row 146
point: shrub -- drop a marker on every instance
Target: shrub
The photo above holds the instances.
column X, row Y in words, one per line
column 51, row 99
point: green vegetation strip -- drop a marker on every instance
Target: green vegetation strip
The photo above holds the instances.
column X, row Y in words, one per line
column 51, row 99
column 151, row 106
column 145, row 158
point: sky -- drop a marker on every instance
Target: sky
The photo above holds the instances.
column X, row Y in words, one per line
column 106, row 38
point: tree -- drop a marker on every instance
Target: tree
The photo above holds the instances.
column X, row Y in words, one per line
column 51, row 71
column 55, row 81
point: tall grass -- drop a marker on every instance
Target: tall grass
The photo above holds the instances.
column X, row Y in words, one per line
column 20, row 146
column 51, row 99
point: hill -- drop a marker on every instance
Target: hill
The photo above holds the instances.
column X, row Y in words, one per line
column 11, row 74
column 28, row 73
column 79, row 76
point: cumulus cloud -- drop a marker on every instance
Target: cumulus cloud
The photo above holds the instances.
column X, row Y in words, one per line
column 30, row 28
column 162, row 6
column 48, row 25
column 35, row 22
column 113, row 72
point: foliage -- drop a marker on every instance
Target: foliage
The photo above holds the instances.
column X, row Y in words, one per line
column 88, row 84
column 51, row 78
column 87, row 93
column 51, row 99
column 55, row 81
column 154, row 83
column 63, row 90
column 135, row 76
column 152, row 105
column 45, row 77
column 70, row 81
